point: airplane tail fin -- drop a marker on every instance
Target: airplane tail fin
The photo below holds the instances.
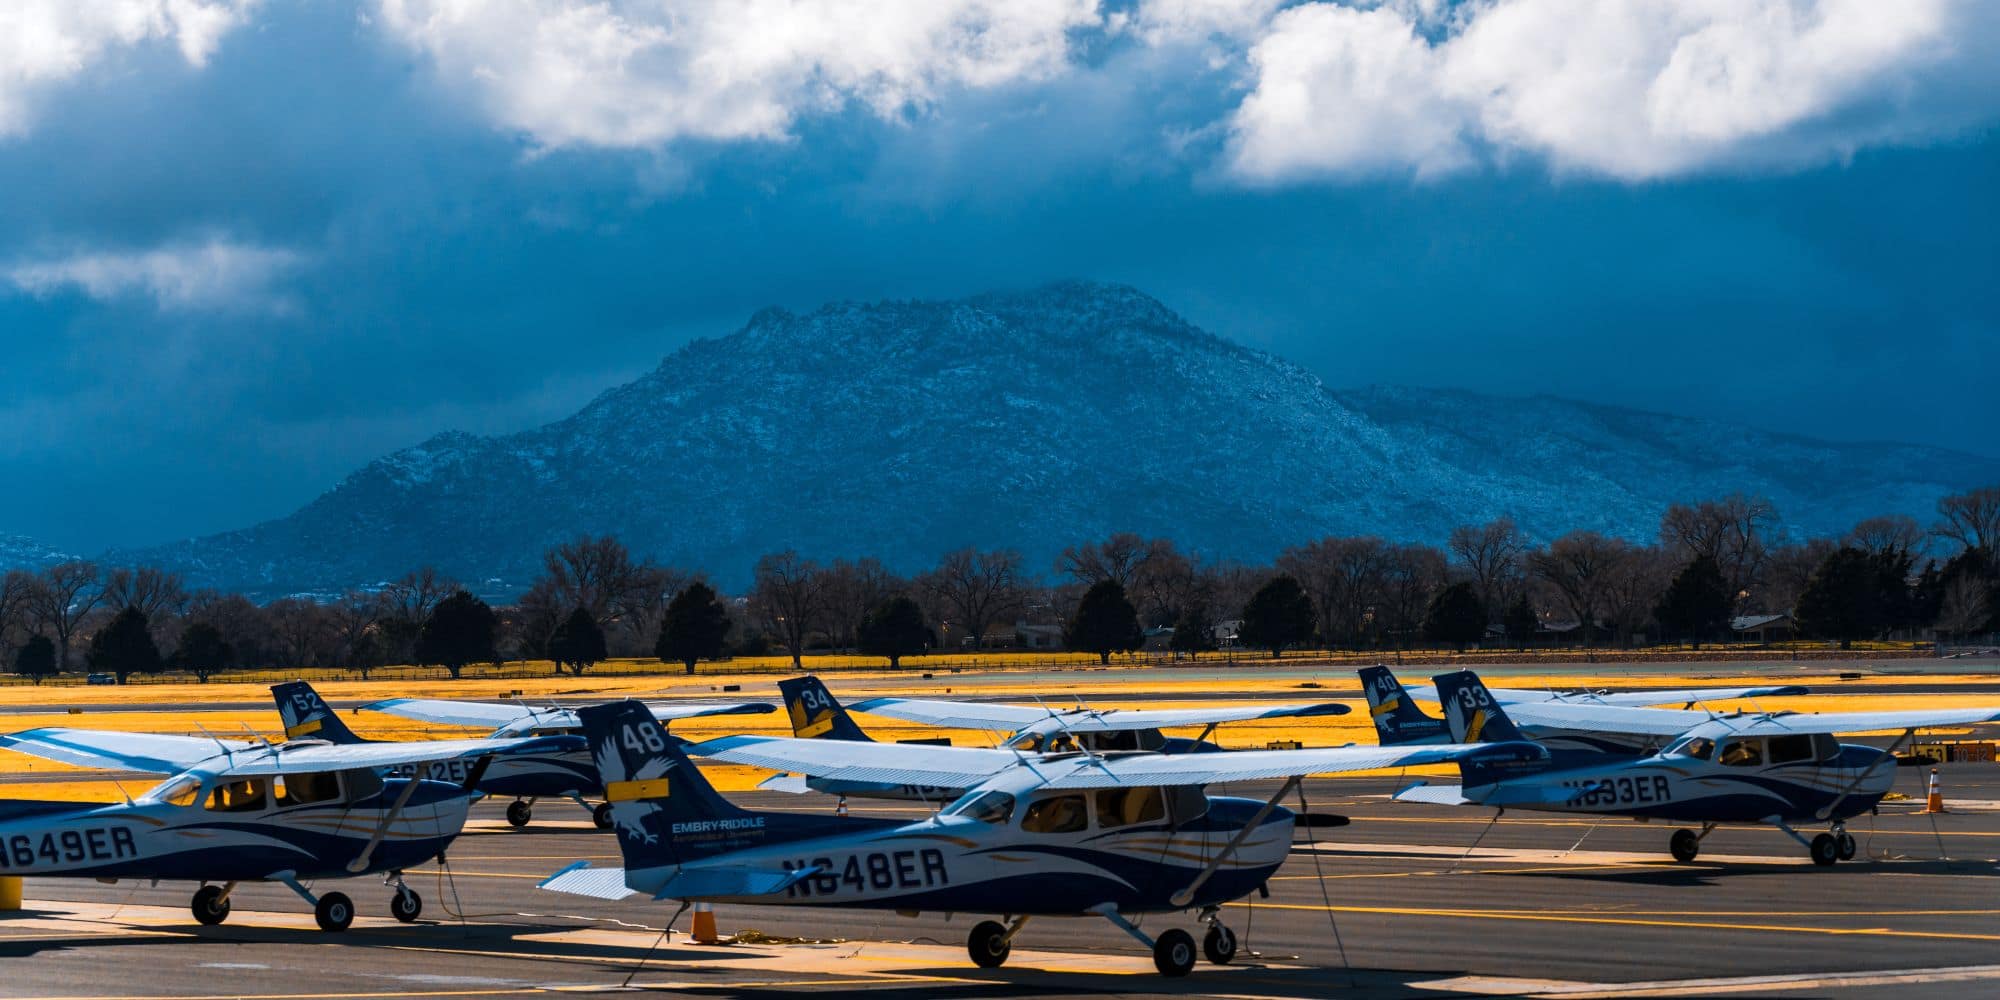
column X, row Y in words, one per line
column 816, row 714
column 665, row 812
column 307, row 716
column 1398, row 721
column 1471, row 711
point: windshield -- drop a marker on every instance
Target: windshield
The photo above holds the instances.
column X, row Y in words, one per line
column 986, row 807
column 1698, row 747
column 182, row 791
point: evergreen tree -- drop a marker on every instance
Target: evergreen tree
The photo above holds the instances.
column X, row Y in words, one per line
column 1696, row 604
column 125, row 646
column 693, row 628
column 1279, row 614
column 895, row 629
column 1520, row 621
column 1848, row 597
column 1105, row 622
column 1193, row 632
column 1456, row 616
column 37, row 659
column 459, row 631
column 204, row 652
column 578, row 643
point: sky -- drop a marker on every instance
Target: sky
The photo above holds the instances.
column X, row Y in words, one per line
column 247, row 247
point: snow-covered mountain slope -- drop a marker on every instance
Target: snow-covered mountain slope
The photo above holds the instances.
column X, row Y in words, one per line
column 1028, row 420
column 22, row 552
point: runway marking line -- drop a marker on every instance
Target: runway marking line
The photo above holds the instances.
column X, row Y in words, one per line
column 1559, row 917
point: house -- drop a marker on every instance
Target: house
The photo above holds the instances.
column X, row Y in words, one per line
column 1029, row 636
column 1764, row 628
column 1226, row 633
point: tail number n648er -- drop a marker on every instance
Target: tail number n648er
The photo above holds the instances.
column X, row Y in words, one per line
column 879, row 870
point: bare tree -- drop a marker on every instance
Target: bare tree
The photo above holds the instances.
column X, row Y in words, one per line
column 1491, row 555
column 1789, row 568
column 1633, row 586
column 1165, row 585
column 153, row 591
column 853, row 589
column 1964, row 609
column 789, row 593
column 1410, row 575
column 1894, row 535
column 64, row 594
column 300, row 629
column 1116, row 559
column 1579, row 568
column 1972, row 519
column 242, row 624
column 1344, row 578
column 1730, row 531
column 976, row 589
column 596, row 574
column 407, row 604
column 352, row 624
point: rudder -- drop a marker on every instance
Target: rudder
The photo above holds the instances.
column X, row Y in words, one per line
column 816, row 713
column 1471, row 712
column 664, row 811
column 307, row 716
column 1398, row 720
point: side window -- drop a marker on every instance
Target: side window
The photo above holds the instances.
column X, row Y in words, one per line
column 1060, row 814
column 1746, row 752
column 300, row 789
column 1786, row 749
column 362, row 783
column 246, row 795
column 1699, row 747
column 1186, row 803
column 1826, row 749
column 182, row 792
column 1129, row 806
column 989, row 807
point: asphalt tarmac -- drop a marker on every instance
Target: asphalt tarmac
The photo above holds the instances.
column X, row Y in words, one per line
column 1408, row 900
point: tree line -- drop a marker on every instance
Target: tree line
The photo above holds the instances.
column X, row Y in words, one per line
column 1711, row 560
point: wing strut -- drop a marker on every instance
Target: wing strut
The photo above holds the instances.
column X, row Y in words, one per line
column 1182, row 897
column 360, row 862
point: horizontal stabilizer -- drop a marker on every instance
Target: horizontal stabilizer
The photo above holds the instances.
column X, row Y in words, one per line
column 1437, row 795
column 582, row 880
column 703, row 883
column 791, row 784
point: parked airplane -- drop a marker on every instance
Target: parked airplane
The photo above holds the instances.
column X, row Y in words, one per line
column 1398, row 720
column 1081, row 834
column 1780, row 768
column 566, row 774
column 236, row 811
column 816, row 714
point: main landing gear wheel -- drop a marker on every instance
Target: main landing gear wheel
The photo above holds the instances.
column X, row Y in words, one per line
column 1684, row 845
column 1219, row 945
column 602, row 815
column 519, row 813
column 210, row 906
column 1173, row 953
column 1847, row 846
column 1825, row 850
column 334, row 911
column 406, row 905
column 988, row 944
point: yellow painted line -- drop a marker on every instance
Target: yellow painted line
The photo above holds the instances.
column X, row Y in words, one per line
column 1627, row 822
column 455, row 873
column 1559, row 918
column 1477, row 871
column 309, row 996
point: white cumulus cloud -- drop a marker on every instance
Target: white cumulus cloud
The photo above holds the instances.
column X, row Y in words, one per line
column 45, row 42
column 214, row 274
column 640, row 73
column 1633, row 90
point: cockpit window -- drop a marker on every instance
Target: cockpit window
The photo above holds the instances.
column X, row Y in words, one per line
column 246, row 795
column 300, row 789
column 986, row 807
column 1057, row 814
column 1743, row 752
column 1698, row 747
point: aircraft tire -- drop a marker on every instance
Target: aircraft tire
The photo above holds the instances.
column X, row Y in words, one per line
column 519, row 813
column 1847, row 846
column 1684, row 845
column 1825, row 850
column 406, row 906
column 988, row 944
column 1173, row 953
column 209, row 907
column 334, row 912
column 1219, row 945
column 602, row 815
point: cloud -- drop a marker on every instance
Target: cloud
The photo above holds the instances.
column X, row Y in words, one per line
column 641, row 73
column 1633, row 91
column 45, row 42
column 212, row 275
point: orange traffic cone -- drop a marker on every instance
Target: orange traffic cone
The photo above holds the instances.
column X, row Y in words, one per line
column 840, row 807
column 1934, row 802
column 704, row 924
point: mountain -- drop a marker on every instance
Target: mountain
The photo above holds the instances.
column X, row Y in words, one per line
column 22, row 552
column 1030, row 420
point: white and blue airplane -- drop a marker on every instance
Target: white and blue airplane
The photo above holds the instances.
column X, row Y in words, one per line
column 1111, row 835
column 238, row 811
column 1784, row 769
column 816, row 714
column 526, row 778
column 1398, row 720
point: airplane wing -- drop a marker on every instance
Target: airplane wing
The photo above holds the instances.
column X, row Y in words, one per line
column 154, row 753
column 1251, row 765
column 1543, row 715
column 1663, row 696
column 1834, row 723
column 510, row 717
column 1014, row 718
column 894, row 763
column 310, row 758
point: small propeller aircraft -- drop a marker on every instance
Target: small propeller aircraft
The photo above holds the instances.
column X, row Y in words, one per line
column 1779, row 768
column 1112, row 835
column 567, row 774
column 238, row 811
column 1398, row 720
column 816, row 714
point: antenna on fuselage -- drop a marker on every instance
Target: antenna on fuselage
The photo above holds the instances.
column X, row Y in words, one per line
column 227, row 754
